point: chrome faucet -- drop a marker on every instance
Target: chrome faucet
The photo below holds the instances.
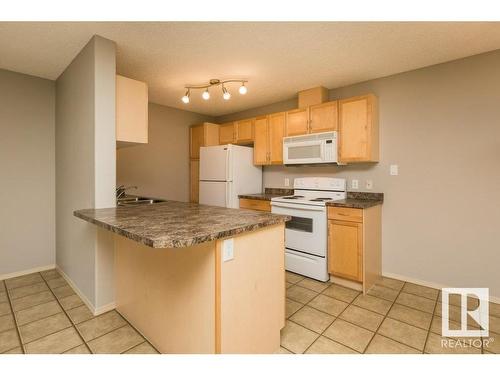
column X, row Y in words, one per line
column 120, row 190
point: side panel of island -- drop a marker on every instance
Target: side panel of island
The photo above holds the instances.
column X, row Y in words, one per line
column 188, row 300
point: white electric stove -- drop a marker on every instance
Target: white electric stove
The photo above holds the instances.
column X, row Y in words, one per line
column 306, row 233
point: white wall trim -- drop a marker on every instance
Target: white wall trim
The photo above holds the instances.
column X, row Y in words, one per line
column 27, row 272
column 429, row 284
column 92, row 308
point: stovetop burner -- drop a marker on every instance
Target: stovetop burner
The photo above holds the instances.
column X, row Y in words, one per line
column 320, row 199
column 294, row 197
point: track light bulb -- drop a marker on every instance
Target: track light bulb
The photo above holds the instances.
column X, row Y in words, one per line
column 243, row 89
column 185, row 98
column 225, row 94
column 205, row 95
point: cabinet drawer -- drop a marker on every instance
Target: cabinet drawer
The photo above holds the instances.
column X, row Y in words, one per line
column 255, row 204
column 345, row 214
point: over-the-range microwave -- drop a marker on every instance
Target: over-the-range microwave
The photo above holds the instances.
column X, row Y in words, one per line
column 310, row 149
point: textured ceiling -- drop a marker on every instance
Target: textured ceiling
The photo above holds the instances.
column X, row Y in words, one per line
column 278, row 59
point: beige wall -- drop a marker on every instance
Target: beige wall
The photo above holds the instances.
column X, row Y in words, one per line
column 161, row 167
column 27, row 173
column 85, row 168
column 441, row 215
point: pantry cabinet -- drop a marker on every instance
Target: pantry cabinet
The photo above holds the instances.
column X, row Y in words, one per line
column 358, row 129
column 354, row 244
column 205, row 134
column 131, row 111
column 194, row 177
column 226, row 133
column 268, row 139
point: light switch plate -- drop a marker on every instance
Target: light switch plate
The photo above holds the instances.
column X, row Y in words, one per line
column 287, row 182
column 394, row 170
column 354, row 184
column 228, row 250
column 369, row 184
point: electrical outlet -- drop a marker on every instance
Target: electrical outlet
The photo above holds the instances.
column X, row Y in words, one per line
column 394, row 170
column 287, row 182
column 369, row 184
column 354, row 184
column 228, row 250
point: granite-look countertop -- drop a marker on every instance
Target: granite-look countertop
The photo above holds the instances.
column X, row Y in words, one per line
column 358, row 200
column 353, row 200
column 268, row 194
column 178, row 224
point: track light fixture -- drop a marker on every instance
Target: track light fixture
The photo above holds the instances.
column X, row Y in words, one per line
column 185, row 98
column 226, row 95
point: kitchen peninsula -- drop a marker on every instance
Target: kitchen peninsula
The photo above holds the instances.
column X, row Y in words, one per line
column 188, row 275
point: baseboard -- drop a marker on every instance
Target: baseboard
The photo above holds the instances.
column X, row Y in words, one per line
column 77, row 290
column 27, row 272
column 347, row 283
column 105, row 308
column 429, row 284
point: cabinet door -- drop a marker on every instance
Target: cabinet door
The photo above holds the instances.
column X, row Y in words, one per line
column 261, row 141
column 244, row 130
column 345, row 249
column 226, row 133
column 194, row 176
column 358, row 129
column 277, row 123
column 131, row 110
column 297, row 122
column 196, row 140
column 323, row 117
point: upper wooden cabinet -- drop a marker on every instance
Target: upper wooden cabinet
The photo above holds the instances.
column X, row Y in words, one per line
column 323, row 117
column 277, row 126
column 261, row 141
column 314, row 119
column 244, row 130
column 131, row 111
column 227, row 133
column 268, row 140
column 297, row 122
column 205, row 134
column 358, row 129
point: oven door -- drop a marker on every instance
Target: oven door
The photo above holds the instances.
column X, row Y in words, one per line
column 304, row 152
column 306, row 232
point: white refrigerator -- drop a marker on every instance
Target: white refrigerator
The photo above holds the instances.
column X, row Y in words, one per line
column 227, row 171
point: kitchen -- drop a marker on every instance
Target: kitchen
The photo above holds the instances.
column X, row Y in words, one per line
column 348, row 196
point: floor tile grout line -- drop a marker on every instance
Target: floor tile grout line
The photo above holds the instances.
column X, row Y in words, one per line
column 67, row 316
column 429, row 331
column 135, row 329
column 15, row 318
column 38, row 304
column 335, row 318
column 383, row 320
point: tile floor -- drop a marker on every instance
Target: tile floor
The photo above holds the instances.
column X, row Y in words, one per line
column 40, row 313
column 394, row 317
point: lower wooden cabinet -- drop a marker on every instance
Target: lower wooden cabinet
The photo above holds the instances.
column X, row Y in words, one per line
column 346, row 249
column 355, row 244
column 255, row 204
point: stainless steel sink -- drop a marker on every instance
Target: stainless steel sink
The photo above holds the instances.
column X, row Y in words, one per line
column 134, row 201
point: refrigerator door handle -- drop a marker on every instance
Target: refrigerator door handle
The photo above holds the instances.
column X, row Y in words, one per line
column 228, row 194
